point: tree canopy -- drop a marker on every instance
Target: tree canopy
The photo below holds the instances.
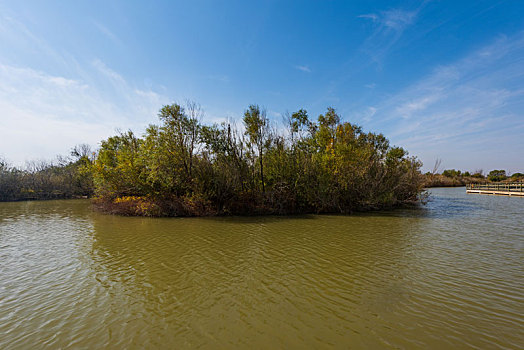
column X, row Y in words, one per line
column 183, row 167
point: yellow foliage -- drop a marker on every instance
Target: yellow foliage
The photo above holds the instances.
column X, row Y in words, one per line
column 127, row 199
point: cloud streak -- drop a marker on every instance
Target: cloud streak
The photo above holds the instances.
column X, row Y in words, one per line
column 107, row 33
column 43, row 114
column 388, row 29
column 303, row 68
column 464, row 112
column 395, row 19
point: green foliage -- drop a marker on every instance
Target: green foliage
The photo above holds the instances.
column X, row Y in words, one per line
column 452, row 173
column 257, row 129
column 497, row 175
column 118, row 166
column 68, row 178
column 187, row 168
column 517, row 176
column 477, row 175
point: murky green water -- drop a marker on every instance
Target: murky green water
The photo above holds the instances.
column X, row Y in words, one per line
column 447, row 276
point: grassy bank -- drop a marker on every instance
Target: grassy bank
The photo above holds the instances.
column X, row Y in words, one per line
column 440, row 180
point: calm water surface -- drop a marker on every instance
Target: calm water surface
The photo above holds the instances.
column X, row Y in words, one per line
column 447, row 276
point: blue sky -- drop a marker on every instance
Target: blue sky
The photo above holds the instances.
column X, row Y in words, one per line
column 444, row 79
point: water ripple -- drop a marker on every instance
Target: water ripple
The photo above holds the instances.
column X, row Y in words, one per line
column 446, row 276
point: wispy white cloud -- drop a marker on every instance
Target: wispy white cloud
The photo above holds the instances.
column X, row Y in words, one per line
column 107, row 33
column 408, row 108
column 396, row 19
column 388, row 29
column 43, row 115
column 473, row 105
column 372, row 16
column 369, row 113
column 303, row 68
column 219, row 77
column 116, row 78
column 16, row 38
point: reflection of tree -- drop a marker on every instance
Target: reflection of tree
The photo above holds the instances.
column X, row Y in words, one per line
column 209, row 280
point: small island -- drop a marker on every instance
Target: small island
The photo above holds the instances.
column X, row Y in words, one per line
column 185, row 168
column 285, row 212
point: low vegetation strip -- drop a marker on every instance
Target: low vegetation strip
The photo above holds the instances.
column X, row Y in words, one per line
column 68, row 177
column 457, row 178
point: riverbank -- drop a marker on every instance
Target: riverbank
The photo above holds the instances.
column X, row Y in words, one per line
column 439, row 180
column 198, row 207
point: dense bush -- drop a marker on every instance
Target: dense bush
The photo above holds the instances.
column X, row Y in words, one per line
column 68, row 178
column 517, row 177
column 183, row 167
column 454, row 178
column 497, row 175
column 452, row 173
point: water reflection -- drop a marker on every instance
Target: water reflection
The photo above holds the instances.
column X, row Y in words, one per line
column 44, row 287
column 267, row 278
column 448, row 275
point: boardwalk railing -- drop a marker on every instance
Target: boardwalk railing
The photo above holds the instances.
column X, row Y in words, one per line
column 497, row 186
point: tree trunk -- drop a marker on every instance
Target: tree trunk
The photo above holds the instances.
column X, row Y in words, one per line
column 262, row 172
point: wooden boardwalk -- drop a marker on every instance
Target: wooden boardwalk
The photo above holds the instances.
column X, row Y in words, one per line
column 500, row 188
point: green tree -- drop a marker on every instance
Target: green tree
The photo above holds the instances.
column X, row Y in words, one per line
column 452, row 173
column 257, row 129
column 497, row 175
column 182, row 167
column 117, row 168
column 517, row 176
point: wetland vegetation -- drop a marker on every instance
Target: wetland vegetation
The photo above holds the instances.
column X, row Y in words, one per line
column 183, row 167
